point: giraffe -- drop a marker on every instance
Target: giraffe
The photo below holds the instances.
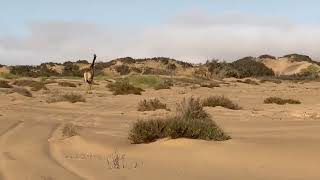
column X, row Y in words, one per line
column 89, row 73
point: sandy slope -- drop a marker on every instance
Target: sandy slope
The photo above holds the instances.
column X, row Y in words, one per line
column 284, row 66
column 269, row 141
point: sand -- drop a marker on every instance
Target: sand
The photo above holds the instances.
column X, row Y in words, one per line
column 268, row 141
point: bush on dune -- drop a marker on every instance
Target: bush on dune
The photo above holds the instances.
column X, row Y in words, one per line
column 191, row 121
column 151, row 105
column 123, row 87
column 222, row 101
column 22, row 91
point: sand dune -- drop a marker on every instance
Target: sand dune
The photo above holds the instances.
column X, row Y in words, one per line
column 268, row 141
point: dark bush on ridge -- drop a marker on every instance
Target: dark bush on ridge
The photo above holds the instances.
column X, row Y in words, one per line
column 249, row 67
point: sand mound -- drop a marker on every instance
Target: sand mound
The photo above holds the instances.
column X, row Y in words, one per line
column 285, row 66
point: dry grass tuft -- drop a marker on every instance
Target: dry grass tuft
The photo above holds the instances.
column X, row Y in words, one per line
column 210, row 85
column 22, row 91
column 191, row 121
column 151, row 105
column 70, row 130
column 277, row 100
column 67, row 84
column 5, row 84
column 71, row 97
column 248, row 81
column 35, row 85
column 222, row 101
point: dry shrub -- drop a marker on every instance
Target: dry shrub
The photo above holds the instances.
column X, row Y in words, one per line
column 277, row 100
column 166, row 84
column 210, row 85
column 272, row 80
column 35, row 85
column 22, row 91
column 248, row 81
column 70, row 130
column 67, row 84
column 222, row 101
column 151, row 105
column 191, row 121
column 71, row 97
column 4, row 84
column 122, row 87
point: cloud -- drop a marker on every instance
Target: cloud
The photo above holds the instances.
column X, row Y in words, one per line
column 192, row 36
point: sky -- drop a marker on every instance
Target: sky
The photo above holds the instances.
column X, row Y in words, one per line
column 36, row 31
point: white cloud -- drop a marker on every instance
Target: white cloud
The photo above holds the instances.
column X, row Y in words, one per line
column 194, row 37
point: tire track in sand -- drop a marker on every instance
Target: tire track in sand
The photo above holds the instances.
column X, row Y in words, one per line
column 25, row 153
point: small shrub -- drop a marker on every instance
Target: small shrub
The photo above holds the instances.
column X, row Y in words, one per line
column 248, row 81
column 277, row 100
column 122, row 87
column 191, row 121
column 4, row 84
column 210, row 85
column 70, row 130
column 123, row 69
column 222, row 101
column 35, row 85
column 276, row 81
column 22, row 91
column 71, row 97
column 151, row 105
column 67, row 84
column 266, row 56
column 166, row 84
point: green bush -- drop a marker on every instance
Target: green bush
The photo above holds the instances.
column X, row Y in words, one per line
column 165, row 84
column 280, row 101
column 151, row 105
column 191, row 122
column 123, row 87
column 222, row 101
column 249, row 67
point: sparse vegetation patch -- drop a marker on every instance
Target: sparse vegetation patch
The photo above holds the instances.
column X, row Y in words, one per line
column 123, row 87
column 35, row 85
column 22, row 91
column 4, row 84
column 191, row 121
column 70, row 130
column 222, row 101
column 151, row 105
column 71, row 97
column 280, row 101
column 67, row 84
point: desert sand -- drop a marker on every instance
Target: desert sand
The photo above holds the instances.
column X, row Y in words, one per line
column 268, row 141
